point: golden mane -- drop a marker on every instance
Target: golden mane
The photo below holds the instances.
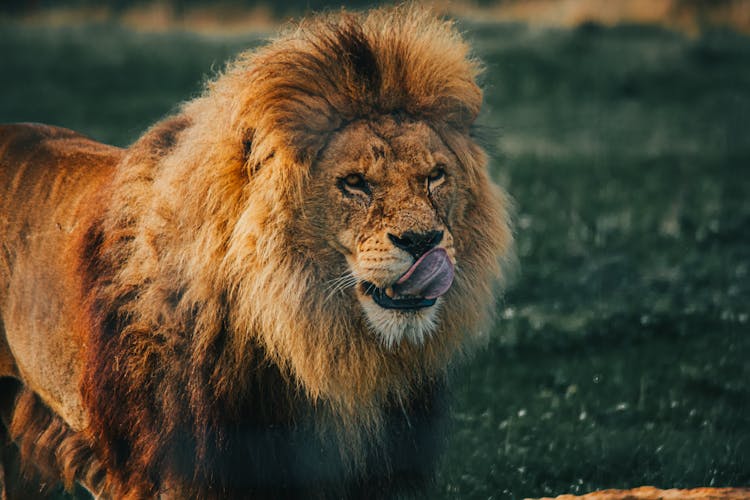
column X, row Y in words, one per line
column 205, row 311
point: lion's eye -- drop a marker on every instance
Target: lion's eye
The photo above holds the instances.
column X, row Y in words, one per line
column 353, row 183
column 436, row 177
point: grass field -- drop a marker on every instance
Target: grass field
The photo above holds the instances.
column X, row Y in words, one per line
column 621, row 353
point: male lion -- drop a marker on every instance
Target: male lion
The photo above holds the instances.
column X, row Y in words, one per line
column 261, row 296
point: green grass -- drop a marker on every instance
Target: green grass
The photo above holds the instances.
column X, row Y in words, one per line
column 620, row 357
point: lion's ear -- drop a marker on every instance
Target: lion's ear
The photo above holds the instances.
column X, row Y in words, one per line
column 251, row 163
column 256, row 152
column 247, row 146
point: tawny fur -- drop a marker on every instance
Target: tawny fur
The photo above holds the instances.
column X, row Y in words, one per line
column 198, row 308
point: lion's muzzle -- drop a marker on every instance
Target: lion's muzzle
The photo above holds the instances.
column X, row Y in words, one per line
column 427, row 279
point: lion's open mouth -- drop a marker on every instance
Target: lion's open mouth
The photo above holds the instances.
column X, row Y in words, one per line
column 382, row 299
column 420, row 286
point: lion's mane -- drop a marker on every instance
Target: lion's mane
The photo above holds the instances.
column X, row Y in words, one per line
column 215, row 365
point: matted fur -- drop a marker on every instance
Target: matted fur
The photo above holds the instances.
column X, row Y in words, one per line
column 215, row 359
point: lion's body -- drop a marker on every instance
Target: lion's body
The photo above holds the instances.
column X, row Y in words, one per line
column 48, row 179
column 204, row 314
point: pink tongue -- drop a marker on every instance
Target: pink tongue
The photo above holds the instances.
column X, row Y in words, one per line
column 429, row 277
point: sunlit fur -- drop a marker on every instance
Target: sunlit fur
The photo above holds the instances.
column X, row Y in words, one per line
column 215, row 292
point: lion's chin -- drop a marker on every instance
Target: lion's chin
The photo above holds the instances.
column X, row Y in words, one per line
column 394, row 326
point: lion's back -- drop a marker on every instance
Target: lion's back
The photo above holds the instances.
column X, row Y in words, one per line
column 31, row 153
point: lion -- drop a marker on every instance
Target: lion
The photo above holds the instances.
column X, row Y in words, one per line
column 262, row 296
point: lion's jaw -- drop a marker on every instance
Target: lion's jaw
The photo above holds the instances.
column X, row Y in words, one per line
column 390, row 191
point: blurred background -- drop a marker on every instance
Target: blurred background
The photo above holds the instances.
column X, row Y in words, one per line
column 223, row 15
column 621, row 352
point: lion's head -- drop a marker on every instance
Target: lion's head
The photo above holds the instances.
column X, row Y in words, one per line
column 383, row 234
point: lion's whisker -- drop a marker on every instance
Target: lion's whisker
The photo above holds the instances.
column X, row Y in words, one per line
column 343, row 284
column 334, row 282
column 339, row 284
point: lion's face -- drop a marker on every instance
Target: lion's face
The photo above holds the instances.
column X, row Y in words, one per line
column 388, row 193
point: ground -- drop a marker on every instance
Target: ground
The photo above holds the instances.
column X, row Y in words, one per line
column 620, row 354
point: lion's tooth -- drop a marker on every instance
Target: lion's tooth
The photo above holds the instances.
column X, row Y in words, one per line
column 389, row 292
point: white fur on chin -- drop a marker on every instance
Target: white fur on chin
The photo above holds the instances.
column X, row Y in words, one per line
column 393, row 325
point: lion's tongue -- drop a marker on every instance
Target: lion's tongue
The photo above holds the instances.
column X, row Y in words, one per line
column 429, row 277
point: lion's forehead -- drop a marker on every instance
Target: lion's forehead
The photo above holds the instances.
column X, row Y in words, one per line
column 379, row 147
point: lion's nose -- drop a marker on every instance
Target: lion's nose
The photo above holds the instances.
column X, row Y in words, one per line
column 416, row 243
